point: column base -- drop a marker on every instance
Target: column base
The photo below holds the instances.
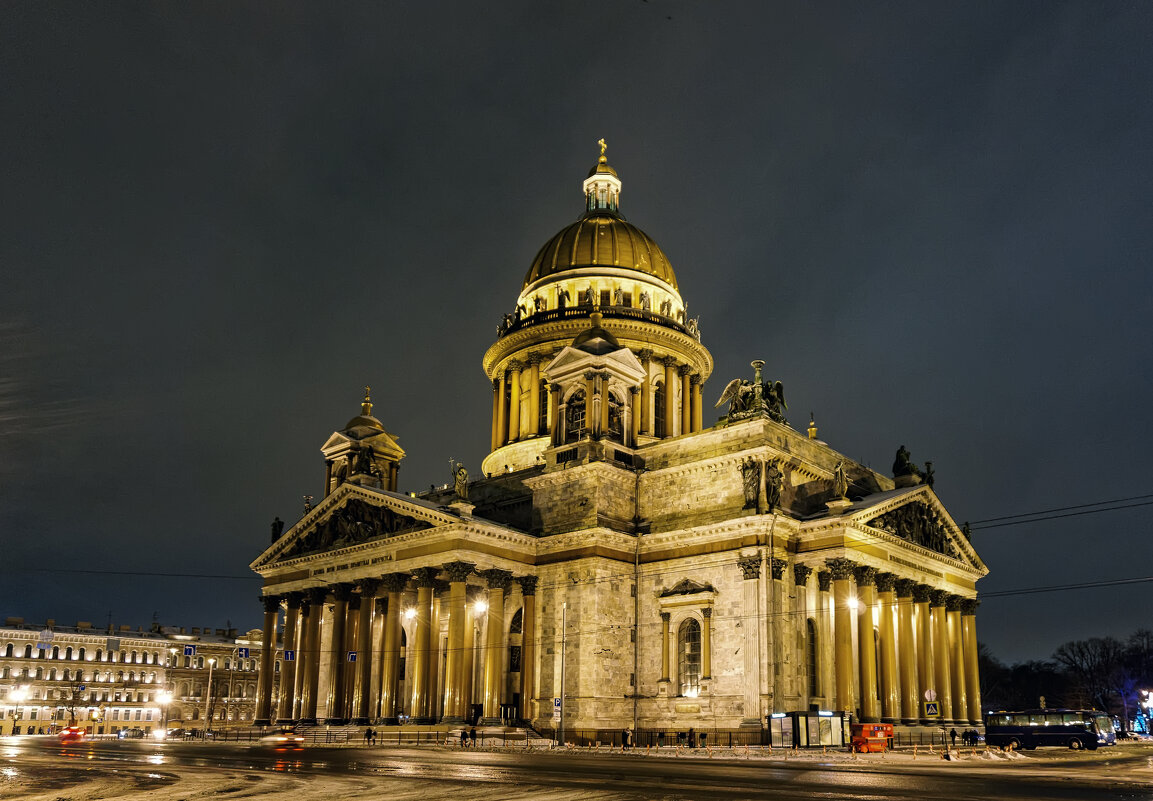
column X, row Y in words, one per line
column 393, row 721
column 360, row 721
column 890, row 720
column 490, row 722
column 452, row 720
column 262, row 722
column 307, row 721
column 426, row 721
column 751, row 723
column 336, row 721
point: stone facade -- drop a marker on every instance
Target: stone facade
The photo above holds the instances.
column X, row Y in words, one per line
column 615, row 552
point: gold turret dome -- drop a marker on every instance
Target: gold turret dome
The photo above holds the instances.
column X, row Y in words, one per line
column 602, row 237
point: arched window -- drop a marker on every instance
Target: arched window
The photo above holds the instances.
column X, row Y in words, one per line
column 52, row 674
column 659, row 409
column 616, row 419
column 134, row 655
column 28, row 651
column 811, row 663
column 689, row 657
column 99, row 655
column 80, row 654
column 574, row 422
column 55, row 651
column 8, row 651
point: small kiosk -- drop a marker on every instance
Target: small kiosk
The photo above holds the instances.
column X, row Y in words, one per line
column 808, row 729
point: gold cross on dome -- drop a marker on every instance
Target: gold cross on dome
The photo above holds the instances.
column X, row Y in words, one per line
column 367, row 392
column 604, row 147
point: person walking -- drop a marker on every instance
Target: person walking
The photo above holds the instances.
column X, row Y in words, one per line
column 953, row 736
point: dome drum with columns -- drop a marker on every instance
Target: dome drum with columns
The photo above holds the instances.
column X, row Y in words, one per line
column 603, row 265
column 616, row 553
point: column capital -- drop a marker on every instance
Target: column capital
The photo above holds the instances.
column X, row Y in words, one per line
column 515, row 366
column 886, row 582
column 750, row 566
column 426, row 577
column 535, row 358
column 707, row 612
column 316, row 595
column 271, row 603
column 953, row 603
column 382, row 605
column 778, row 567
column 685, row 369
column 496, row 578
column 696, row 380
column 458, row 571
column 841, row 568
column 824, row 580
column 904, row 587
column 527, row 584
column 354, row 601
column 921, row 593
column 865, row 575
column 554, row 387
column 801, row 574
column 342, row 592
column 668, row 361
column 666, row 617
column 590, row 375
column 292, row 600
column 496, row 384
column 634, row 390
column 367, row 587
column 395, row 582
column 969, row 606
column 645, row 355
column 937, row 597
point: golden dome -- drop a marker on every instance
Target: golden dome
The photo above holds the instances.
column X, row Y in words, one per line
column 601, row 239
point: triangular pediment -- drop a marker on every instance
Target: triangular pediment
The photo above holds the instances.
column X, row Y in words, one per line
column 687, row 587
column 916, row 516
column 352, row 515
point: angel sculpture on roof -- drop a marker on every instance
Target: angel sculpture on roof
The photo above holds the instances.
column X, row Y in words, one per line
column 746, row 398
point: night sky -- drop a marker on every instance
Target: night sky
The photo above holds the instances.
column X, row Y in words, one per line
column 221, row 220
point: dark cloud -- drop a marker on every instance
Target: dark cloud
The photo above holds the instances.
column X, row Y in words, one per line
column 221, row 221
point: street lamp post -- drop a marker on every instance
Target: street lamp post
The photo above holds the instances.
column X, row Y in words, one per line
column 164, row 698
column 208, row 697
column 19, row 695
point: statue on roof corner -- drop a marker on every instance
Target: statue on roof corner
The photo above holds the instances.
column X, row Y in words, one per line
column 840, row 480
column 746, row 398
column 903, row 465
column 459, row 479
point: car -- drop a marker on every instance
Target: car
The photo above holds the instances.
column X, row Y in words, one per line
column 71, row 734
column 285, row 738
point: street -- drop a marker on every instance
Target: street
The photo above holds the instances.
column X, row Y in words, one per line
column 39, row 768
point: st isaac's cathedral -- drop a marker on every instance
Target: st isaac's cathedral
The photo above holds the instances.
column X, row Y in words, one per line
column 618, row 564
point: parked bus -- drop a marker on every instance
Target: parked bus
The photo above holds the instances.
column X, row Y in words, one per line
column 1070, row 728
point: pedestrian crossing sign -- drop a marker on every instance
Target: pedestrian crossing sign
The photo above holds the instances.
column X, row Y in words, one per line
column 932, row 709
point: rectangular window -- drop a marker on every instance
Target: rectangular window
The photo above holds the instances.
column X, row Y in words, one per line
column 606, row 297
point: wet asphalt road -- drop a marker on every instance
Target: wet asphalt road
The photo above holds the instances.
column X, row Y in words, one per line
column 482, row 774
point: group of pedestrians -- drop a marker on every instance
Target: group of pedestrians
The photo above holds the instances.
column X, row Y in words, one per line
column 468, row 738
column 370, row 736
column 968, row 737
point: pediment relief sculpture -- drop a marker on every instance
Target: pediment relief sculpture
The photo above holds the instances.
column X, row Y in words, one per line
column 919, row 524
column 354, row 522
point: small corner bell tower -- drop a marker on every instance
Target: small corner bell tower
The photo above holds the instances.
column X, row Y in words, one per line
column 362, row 453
